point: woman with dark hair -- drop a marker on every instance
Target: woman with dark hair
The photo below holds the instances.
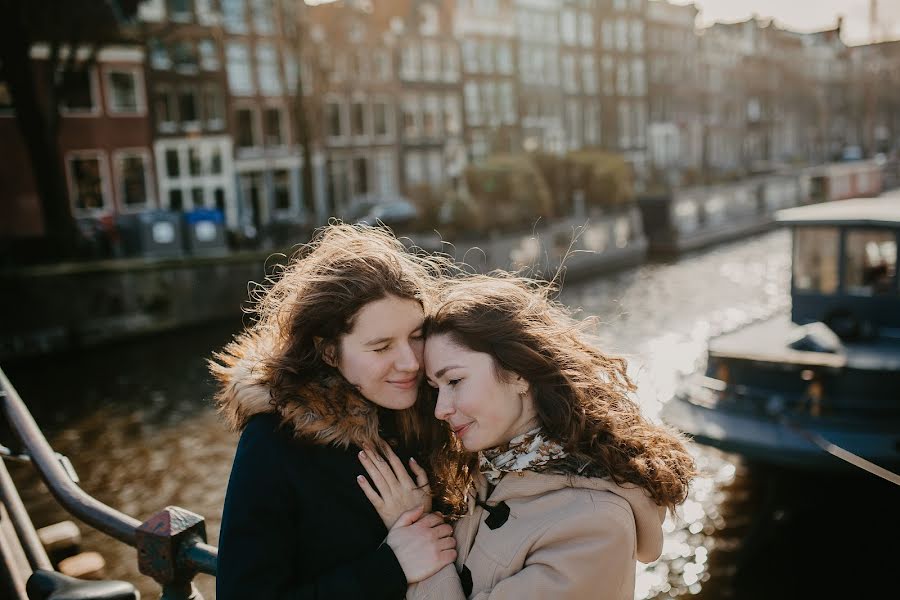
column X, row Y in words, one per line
column 332, row 365
column 566, row 484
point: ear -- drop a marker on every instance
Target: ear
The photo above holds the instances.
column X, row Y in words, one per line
column 326, row 349
column 522, row 385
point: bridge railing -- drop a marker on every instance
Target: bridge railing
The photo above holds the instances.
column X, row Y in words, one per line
column 171, row 544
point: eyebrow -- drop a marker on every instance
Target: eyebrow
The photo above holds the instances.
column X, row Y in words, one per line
column 440, row 373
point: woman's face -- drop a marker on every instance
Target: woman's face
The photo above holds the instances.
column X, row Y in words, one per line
column 382, row 354
column 484, row 405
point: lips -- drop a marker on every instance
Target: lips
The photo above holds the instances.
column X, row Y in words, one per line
column 461, row 429
column 405, row 384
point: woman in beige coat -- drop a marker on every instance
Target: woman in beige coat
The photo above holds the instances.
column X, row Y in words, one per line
column 558, row 483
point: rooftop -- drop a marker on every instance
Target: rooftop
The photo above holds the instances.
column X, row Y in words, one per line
column 884, row 210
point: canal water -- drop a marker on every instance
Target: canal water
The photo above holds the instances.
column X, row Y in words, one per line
column 137, row 423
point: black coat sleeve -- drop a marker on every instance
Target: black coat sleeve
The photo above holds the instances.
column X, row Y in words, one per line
column 258, row 557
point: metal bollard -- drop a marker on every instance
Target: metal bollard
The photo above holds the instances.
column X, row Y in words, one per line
column 161, row 542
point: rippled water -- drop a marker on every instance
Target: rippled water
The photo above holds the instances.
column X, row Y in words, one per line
column 136, row 421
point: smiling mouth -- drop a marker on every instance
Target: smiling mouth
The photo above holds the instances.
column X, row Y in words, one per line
column 459, row 431
column 405, row 383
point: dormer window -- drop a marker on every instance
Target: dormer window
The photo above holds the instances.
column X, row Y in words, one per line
column 428, row 24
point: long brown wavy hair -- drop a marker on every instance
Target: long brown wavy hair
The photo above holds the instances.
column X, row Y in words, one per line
column 302, row 312
column 583, row 397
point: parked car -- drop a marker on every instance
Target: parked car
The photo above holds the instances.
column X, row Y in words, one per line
column 395, row 214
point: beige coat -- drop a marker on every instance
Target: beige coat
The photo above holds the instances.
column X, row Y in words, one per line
column 565, row 538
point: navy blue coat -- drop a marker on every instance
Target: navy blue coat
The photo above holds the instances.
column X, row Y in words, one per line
column 296, row 524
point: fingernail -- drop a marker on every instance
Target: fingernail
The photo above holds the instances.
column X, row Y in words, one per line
column 412, row 460
column 359, row 478
column 362, row 455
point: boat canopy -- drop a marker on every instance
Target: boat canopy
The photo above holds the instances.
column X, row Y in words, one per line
column 857, row 212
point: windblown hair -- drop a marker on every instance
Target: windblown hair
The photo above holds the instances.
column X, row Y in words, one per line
column 302, row 312
column 582, row 396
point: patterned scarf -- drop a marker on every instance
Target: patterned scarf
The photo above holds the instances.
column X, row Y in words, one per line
column 527, row 452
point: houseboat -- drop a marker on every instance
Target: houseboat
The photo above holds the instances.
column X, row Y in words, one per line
column 818, row 388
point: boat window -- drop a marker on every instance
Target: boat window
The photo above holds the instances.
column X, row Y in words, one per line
column 870, row 264
column 816, row 259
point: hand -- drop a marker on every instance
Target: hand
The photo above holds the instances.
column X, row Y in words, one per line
column 397, row 493
column 423, row 546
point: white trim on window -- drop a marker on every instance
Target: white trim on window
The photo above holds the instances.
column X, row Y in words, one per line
column 105, row 189
column 140, row 93
column 144, row 154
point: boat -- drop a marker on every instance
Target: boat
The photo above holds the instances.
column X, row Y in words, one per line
column 818, row 388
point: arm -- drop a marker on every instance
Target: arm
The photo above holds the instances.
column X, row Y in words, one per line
column 581, row 556
column 258, row 558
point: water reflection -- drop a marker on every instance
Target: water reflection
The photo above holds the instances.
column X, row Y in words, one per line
column 137, row 422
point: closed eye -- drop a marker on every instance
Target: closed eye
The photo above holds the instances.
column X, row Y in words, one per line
column 453, row 382
column 382, row 349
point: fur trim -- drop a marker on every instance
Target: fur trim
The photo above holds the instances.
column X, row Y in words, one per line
column 330, row 411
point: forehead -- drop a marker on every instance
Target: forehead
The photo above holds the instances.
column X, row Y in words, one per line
column 387, row 317
column 442, row 350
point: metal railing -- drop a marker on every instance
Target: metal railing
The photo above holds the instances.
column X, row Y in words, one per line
column 171, row 544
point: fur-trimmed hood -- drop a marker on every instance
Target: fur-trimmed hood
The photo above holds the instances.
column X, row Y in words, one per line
column 327, row 411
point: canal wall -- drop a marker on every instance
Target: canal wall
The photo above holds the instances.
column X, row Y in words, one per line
column 66, row 307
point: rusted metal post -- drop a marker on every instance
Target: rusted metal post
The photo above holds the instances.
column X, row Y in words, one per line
column 162, row 543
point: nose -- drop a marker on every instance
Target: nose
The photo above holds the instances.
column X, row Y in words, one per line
column 443, row 408
column 408, row 358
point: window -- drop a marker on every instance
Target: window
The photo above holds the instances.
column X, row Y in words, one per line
column 435, row 167
column 486, row 57
column 431, row 116
column 507, row 103
column 179, row 10
column 267, row 70
column 472, row 103
column 413, row 168
column 385, row 183
column 132, row 178
column 504, row 58
column 569, row 27
column 624, row 125
column 573, row 124
column 451, row 115
column 588, row 74
column 409, row 62
column 122, row 89
column 489, row 102
column 382, row 62
column 234, row 13
column 411, row 117
column 358, row 118
column 214, row 107
column 431, row 60
column 622, row 34
column 281, row 180
column 173, row 168
column 245, row 130
column 194, row 163
column 586, row 29
column 338, row 183
column 380, row 118
column 77, row 90
column 335, row 120
column 638, row 83
column 570, row 82
column 240, row 79
column 816, row 259
column 272, row 131
column 184, row 57
column 360, row 176
column 262, row 16
column 870, row 264
column 215, row 160
column 608, row 35
column 86, row 175
column 209, row 55
column 451, row 62
column 470, row 55
column 622, row 79
column 637, row 35
column 187, row 105
column 176, row 200
column 591, row 124
column 159, row 55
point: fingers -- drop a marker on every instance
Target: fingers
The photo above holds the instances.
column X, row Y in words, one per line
column 446, row 543
column 375, row 473
column 409, row 517
column 383, row 467
column 448, row 555
column 443, row 531
column 371, row 494
column 399, row 470
column 419, row 472
column 430, row 520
